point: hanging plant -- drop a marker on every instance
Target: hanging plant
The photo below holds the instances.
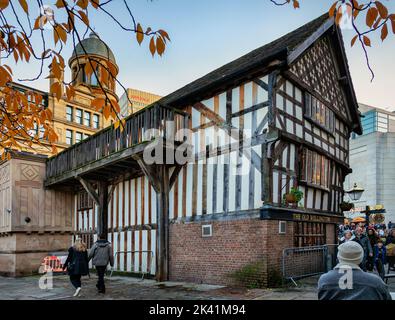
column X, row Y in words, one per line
column 346, row 206
column 294, row 196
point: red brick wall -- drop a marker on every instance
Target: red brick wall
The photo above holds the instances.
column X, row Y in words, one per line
column 330, row 234
column 233, row 245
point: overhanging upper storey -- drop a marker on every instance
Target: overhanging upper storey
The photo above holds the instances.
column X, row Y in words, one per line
column 111, row 151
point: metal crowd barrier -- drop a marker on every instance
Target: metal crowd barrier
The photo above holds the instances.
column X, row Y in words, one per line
column 150, row 258
column 304, row 262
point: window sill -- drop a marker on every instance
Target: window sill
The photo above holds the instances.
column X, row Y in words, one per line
column 312, row 185
column 319, row 125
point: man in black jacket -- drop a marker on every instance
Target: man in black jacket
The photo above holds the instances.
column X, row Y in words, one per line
column 363, row 240
column 101, row 255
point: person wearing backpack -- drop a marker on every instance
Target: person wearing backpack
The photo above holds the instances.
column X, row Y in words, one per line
column 77, row 264
column 101, row 254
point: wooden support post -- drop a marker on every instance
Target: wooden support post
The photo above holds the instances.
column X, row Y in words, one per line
column 163, row 224
column 103, row 208
column 159, row 177
column 101, row 198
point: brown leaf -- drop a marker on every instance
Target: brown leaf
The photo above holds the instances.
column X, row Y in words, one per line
column 83, row 4
column 59, row 4
column 56, row 89
column 95, row 3
column 56, row 70
column 366, row 41
column 139, row 34
column 152, row 46
column 24, row 5
column 62, row 33
column 84, row 17
column 384, row 32
column 160, row 45
column 98, row 103
column 107, row 111
column 383, row 11
column 164, row 35
column 377, row 23
column 371, row 16
column 353, row 40
column 4, row 4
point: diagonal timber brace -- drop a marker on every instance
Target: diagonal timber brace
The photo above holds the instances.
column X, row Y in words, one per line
column 101, row 198
column 162, row 182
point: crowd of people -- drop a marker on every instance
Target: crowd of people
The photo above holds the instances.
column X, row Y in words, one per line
column 364, row 250
column 377, row 241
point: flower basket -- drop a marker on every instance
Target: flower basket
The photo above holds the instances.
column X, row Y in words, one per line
column 346, row 206
column 290, row 198
column 293, row 197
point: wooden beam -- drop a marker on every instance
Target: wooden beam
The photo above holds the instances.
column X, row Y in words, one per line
column 101, row 164
column 262, row 124
column 221, row 123
column 251, row 109
column 111, row 192
column 174, row 175
column 262, row 84
column 295, row 54
column 150, row 171
column 103, row 208
column 163, row 224
column 89, row 189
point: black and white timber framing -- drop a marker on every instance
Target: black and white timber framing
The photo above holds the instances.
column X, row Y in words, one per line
column 291, row 107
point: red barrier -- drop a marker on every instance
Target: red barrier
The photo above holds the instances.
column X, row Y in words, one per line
column 52, row 264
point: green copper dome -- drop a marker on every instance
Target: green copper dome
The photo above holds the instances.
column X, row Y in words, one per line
column 93, row 45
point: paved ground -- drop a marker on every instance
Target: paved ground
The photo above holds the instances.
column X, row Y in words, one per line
column 121, row 288
column 127, row 288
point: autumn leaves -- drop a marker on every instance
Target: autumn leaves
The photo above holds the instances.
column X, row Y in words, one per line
column 21, row 112
column 158, row 41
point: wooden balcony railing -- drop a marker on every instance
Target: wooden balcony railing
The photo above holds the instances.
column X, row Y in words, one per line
column 138, row 129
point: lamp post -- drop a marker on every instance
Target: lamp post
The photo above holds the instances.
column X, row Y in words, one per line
column 355, row 194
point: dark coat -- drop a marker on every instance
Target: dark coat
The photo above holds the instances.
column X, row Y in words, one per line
column 383, row 256
column 77, row 262
column 365, row 286
column 390, row 239
column 365, row 244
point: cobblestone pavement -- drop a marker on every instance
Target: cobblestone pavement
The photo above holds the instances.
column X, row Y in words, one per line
column 128, row 288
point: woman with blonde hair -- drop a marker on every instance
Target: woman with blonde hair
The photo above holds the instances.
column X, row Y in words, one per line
column 77, row 264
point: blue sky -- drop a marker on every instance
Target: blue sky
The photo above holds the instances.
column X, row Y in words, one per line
column 207, row 34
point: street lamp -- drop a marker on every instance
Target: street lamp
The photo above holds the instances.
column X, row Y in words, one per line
column 355, row 193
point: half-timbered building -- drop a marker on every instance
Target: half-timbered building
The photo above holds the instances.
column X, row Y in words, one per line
column 275, row 119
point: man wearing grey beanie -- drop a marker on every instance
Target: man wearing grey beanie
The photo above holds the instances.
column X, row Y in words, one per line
column 348, row 282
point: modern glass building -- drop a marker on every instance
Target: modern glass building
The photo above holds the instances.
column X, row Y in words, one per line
column 372, row 159
column 376, row 120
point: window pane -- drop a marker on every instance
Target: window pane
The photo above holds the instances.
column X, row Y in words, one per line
column 94, row 81
column 69, row 113
column 78, row 137
column 95, row 121
column 87, row 119
column 78, row 116
column 308, row 104
column 69, row 137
